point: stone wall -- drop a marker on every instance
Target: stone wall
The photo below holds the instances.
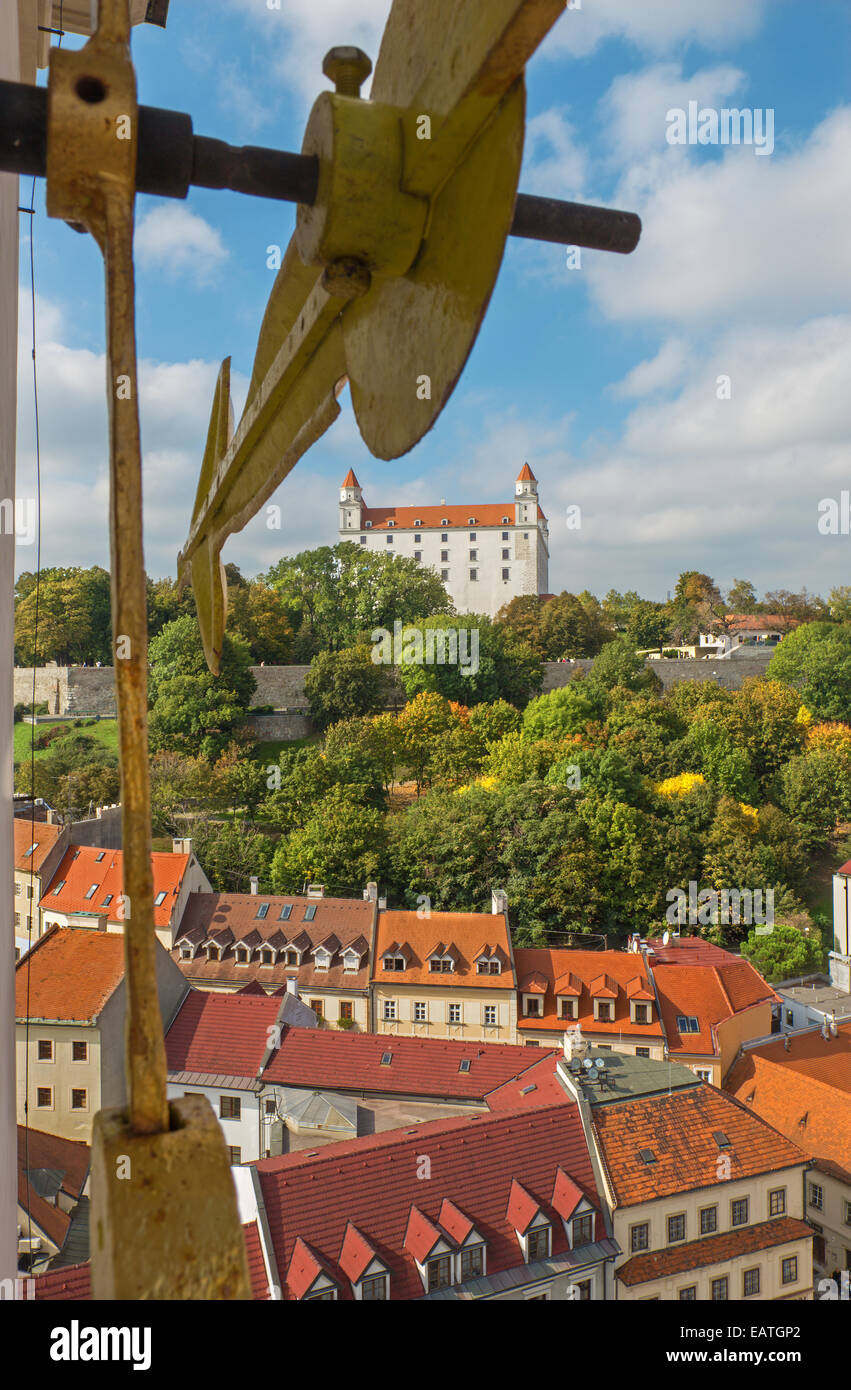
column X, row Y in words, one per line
column 87, row 690
column 287, row 725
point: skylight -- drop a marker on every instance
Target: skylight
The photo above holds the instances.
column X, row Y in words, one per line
column 647, row 1155
column 386, row 1058
column 58, row 889
column 107, row 900
column 90, row 892
column 310, row 912
column 99, row 857
column 721, row 1139
column 159, row 899
column 464, row 1064
column 687, row 1023
column 262, row 910
column 285, row 912
column 31, row 850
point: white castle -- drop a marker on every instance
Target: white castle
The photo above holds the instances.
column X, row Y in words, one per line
column 486, row 554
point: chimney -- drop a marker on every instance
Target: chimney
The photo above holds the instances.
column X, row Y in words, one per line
column 51, row 817
column 575, row 1046
column 292, row 984
column 382, row 904
column 499, row 901
column 370, row 893
column 254, row 886
column 316, row 890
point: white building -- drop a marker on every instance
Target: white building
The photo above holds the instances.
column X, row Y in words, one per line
column 486, row 554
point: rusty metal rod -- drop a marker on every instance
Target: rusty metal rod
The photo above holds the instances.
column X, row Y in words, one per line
column 172, row 159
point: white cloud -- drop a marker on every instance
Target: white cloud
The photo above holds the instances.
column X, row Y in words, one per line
column 658, row 373
column 177, row 243
column 554, row 165
column 654, row 26
column 736, row 238
column 634, row 108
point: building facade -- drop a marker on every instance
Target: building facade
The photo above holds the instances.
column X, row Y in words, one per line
column 486, row 554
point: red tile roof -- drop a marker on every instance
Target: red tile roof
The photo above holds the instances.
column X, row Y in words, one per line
column 343, row 1061
column 375, row 1182
column 420, row 936
column 711, row 994
column 73, row 1283
column 532, row 1089
column 356, row 1254
column 522, row 1208
column 679, row 1130
column 70, row 974
column 606, row 974
column 526, row 475
column 447, row 518
column 80, row 869
column 711, row 1250
column 71, row 1157
column 230, row 920
column 350, row 480
column 688, row 950
column 225, row 1034
column 759, row 622
column 805, row 1092
column 44, row 837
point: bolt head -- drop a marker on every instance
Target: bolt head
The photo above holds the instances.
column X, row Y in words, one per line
column 347, row 68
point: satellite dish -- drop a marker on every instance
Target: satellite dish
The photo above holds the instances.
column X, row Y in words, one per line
column 666, row 938
column 587, row 1064
column 599, row 1064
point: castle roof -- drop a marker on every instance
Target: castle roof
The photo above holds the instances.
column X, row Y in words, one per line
column 526, row 475
column 350, row 480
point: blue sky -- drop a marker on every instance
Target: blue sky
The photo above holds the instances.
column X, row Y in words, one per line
column 603, row 378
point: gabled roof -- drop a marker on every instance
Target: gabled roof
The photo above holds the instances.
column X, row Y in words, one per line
column 356, row 1254
column 712, row 1250
column 421, row 1236
column 457, row 933
column 710, row 993
column 69, row 1158
column 81, row 868
column 567, row 1195
column 221, row 1033
column 348, row 919
column 348, row 1061
column 44, row 838
column 679, row 1130
column 69, row 975
column 600, row 974
column 305, row 1268
column 454, row 1222
column 805, row 1092
column 373, row 1184
column 522, row 1207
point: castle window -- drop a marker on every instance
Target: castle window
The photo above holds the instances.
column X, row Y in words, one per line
column 444, row 574
column 506, row 574
column 474, row 554
column 417, row 539
column 444, row 554
column 444, row 537
column 418, row 522
column 505, row 533
column 472, row 533
column 474, row 574
column 367, row 523
column 391, row 522
column 363, row 540
column 418, row 555
column 389, row 540
column 444, row 521
column 506, row 554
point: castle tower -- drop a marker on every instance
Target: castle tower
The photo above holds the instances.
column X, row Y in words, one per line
column 351, row 505
column 526, row 498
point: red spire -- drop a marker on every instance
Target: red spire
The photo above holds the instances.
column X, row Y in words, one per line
column 526, row 475
column 350, row 480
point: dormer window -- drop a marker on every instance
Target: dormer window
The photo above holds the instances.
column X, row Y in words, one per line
column 393, row 962
column 375, row 1288
column 321, row 959
column 367, row 524
column 641, row 1013
column 538, row 1243
column 582, row 1230
column 444, row 521
column 533, row 1006
column 417, row 521
column 241, row 955
column 568, row 1008
column 351, row 962
column 441, row 965
column 213, row 953
column 604, row 1010
column 267, row 956
column 439, row 1272
column 487, row 966
column 687, row 1023
column 293, row 957
column 186, row 953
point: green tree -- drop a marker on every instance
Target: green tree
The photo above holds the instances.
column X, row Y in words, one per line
column 618, row 666
column 483, row 661
column 571, row 709
column 342, row 845
column 191, row 710
column 231, row 853
column 73, row 617
column 494, row 720
column 783, row 953
column 647, row 625
column 815, row 660
column 741, row 597
column 815, row 790
column 344, row 684
column 257, row 613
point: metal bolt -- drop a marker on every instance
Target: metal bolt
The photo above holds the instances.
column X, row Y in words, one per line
column 347, row 68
